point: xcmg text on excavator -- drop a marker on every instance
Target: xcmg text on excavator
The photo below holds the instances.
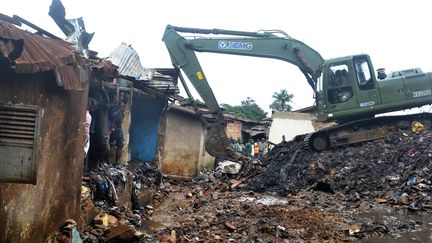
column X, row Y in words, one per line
column 346, row 89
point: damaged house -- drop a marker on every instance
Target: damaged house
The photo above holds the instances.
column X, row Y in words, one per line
column 152, row 89
column 43, row 99
column 170, row 135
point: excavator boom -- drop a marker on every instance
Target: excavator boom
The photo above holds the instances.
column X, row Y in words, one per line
column 349, row 91
column 264, row 44
column 255, row 44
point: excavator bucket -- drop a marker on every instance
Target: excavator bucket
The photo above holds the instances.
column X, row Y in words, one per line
column 216, row 142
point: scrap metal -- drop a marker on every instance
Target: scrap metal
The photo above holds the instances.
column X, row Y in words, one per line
column 128, row 61
column 28, row 53
column 74, row 29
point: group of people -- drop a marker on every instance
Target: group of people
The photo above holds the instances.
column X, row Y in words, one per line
column 103, row 129
column 254, row 149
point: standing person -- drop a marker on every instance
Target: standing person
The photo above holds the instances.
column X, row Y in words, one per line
column 262, row 147
column 116, row 137
column 101, row 129
column 249, row 148
column 91, row 107
column 256, row 150
column 231, row 144
column 242, row 146
column 237, row 146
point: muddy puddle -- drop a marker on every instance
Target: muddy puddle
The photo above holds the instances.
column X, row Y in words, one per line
column 403, row 227
column 164, row 213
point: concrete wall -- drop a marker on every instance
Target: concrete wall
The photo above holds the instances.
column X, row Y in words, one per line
column 233, row 129
column 32, row 213
column 184, row 153
column 207, row 161
column 289, row 124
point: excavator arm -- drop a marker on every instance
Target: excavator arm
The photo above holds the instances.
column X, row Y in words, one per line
column 265, row 44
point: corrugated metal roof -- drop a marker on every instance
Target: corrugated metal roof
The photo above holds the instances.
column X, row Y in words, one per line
column 40, row 54
column 72, row 82
column 128, row 61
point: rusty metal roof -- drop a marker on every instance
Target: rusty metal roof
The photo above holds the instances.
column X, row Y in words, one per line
column 39, row 54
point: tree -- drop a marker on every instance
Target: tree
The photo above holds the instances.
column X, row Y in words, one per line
column 281, row 101
column 247, row 109
column 189, row 101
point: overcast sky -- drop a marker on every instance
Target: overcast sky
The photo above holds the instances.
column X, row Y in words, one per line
column 396, row 34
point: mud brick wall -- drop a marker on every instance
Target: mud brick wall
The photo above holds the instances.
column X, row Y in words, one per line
column 32, row 213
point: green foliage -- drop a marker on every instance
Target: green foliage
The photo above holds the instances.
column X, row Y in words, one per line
column 281, row 101
column 188, row 101
column 247, row 109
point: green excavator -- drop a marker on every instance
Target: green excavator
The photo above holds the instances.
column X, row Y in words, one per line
column 346, row 89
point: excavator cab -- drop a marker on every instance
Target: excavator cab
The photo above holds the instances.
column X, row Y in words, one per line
column 350, row 88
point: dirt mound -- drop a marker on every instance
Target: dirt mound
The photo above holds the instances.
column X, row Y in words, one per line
column 395, row 169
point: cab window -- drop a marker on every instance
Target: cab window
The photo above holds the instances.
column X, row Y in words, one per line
column 339, row 85
column 363, row 74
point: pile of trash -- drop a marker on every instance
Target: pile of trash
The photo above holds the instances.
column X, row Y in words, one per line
column 394, row 170
column 115, row 203
column 230, row 175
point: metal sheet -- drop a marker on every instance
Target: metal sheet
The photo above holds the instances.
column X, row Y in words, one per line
column 40, row 54
column 18, row 143
column 129, row 65
column 67, row 77
column 144, row 129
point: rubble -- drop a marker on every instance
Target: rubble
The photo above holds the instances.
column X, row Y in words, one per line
column 115, row 204
column 394, row 170
column 376, row 189
column 240, row 216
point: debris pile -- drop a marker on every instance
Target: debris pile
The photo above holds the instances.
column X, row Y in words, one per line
column 115, row 203
column 336, row 195
column 230, row 175
column 198, row 213
column 393, row 170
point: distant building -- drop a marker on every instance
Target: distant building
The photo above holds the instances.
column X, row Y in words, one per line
column 289, row 125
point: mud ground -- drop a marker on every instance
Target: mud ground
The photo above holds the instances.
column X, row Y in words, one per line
column 379, row 191
column 196, row 213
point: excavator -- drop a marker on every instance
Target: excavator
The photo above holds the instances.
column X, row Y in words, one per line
column 346, row 89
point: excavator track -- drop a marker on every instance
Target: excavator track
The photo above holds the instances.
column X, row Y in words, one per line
column 362, row 130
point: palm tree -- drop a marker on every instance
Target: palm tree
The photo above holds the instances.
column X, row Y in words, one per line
column 281, row 101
